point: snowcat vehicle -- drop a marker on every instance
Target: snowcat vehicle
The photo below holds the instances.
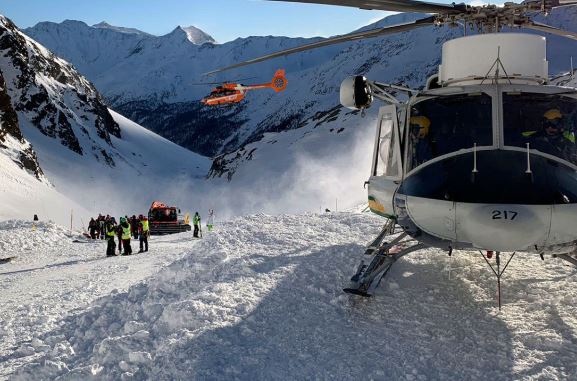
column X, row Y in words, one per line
column 229, row 93
column 483, row 158
column 163, row 219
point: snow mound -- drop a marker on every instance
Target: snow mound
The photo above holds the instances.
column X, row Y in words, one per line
column 260, row 298
column 20, row 238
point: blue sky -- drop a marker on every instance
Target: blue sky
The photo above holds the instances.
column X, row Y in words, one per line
column 225, row 20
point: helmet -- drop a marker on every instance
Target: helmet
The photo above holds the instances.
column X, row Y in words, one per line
column 552, row 114
column 552, row 120
column 140, row 216
column 122, row 220
column 420, row 125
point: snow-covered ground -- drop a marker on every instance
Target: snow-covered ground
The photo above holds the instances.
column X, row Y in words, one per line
column 260, row 298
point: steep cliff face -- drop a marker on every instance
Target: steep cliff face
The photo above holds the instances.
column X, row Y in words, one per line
column 48, row 95
column 12, row 143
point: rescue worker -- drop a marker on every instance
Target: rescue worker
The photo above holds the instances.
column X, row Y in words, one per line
column 92, row 228
column 143, row 232
column 210, row 220
column 419, row 131
column 101, row 226
column 126, row 235
column 110, row 235
column 134, row 226
column 196, row 223
column 119, row 234
column 554, row 137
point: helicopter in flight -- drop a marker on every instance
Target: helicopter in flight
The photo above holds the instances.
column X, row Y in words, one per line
column 229, row 93
column 484, row 157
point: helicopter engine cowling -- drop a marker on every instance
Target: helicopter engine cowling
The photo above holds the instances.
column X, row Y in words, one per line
column 355, row 93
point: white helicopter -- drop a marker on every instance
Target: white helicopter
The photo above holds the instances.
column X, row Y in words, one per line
column 484, row 158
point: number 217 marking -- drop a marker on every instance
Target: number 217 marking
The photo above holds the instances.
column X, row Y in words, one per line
column 504, row 215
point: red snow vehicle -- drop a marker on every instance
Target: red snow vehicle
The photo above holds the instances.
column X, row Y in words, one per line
column 164, row 219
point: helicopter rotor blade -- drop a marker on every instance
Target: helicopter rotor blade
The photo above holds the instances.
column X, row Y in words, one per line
column 222, row 82
column 549, row 29
column 393, row 5
column 550, row 4
column 336, row 40
column 562, row 3
column 206, row 83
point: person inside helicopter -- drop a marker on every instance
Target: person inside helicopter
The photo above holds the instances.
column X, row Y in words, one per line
column 422, row 151
column 554, row 137
column 448, row 124
column 544, row 121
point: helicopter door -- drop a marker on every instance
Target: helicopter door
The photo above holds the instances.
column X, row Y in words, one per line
column 387, row 167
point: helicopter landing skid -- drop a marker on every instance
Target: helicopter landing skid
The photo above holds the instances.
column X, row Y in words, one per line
column 567, row 257
column 368, row 277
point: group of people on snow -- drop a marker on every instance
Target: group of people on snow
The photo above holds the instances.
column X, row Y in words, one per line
column 105, row 227
column 127, row 228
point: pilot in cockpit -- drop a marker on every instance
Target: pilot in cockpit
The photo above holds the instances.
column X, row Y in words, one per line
column 554, row 137
column 419, row 127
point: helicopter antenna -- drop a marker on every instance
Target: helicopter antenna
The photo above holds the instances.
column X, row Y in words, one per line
column 498, row 272
column 498, row 64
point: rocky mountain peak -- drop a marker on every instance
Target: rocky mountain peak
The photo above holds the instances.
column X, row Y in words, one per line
column 192, row 34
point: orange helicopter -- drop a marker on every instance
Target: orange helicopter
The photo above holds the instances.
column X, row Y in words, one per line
column 234, row 92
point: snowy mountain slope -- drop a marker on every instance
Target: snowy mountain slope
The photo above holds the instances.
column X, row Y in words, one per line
column 147, row 168
column 23, row 195
column 162, row 78
column 86, row 46
column 85, row 150
column 315, row 166
column 261, row 298
column 24, row 189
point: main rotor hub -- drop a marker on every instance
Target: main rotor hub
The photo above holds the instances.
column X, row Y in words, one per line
column 491, row 18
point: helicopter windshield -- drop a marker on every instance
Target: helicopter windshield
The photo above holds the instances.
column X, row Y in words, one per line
column 546, row 122
column 442, row 125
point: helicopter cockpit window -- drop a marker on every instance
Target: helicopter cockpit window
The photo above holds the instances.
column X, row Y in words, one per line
column 546, row 122
column 443, row 125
